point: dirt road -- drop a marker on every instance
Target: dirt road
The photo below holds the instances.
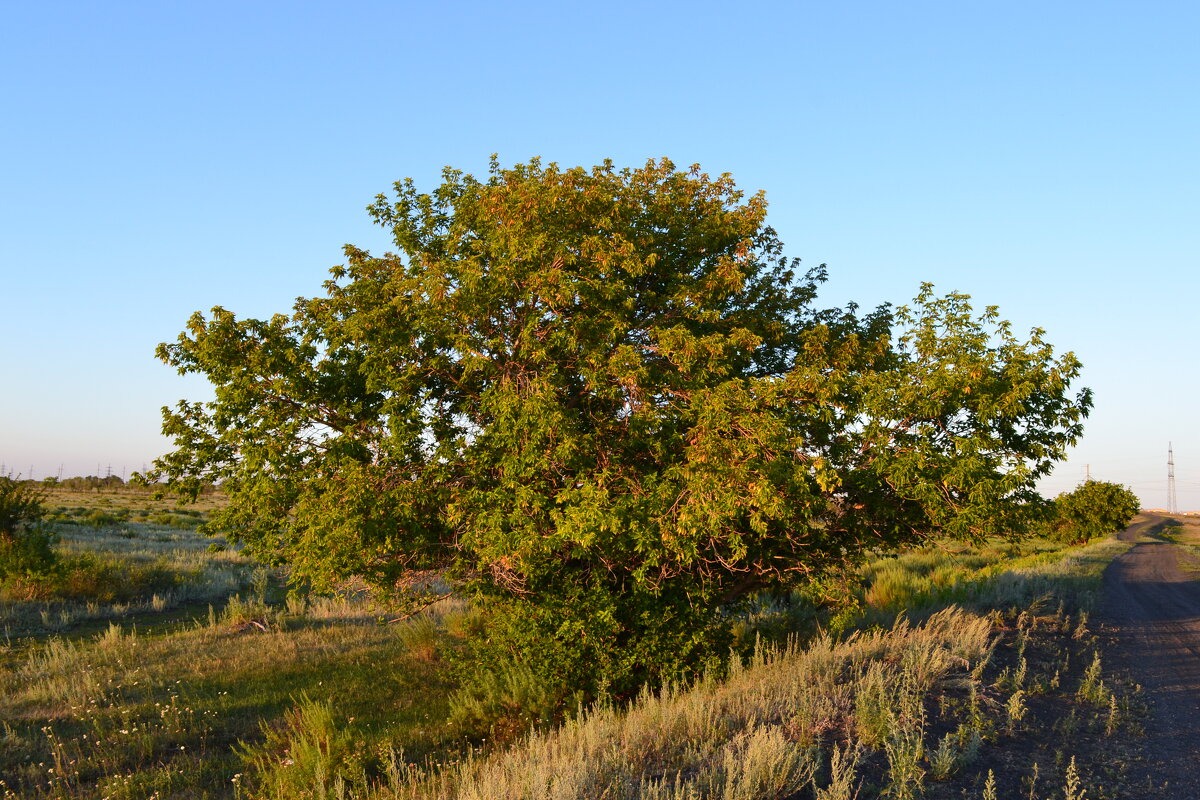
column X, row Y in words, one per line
column 1151, row 617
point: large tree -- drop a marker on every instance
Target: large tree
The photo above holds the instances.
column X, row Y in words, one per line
column 603, row 401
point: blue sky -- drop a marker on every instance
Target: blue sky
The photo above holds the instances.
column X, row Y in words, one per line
column 164, row 158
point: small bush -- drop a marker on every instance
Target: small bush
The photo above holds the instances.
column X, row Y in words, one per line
column 252, row 612
column 306, row 756
column 102, row 519
column 420, row 637
column 20, row 505
column 31, row 553
column 25, row 546
column 1094, row 509
column 503, row 701
column 182, row 519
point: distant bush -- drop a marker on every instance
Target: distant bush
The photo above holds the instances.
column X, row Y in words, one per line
column 104, row 519
column 1095, row 508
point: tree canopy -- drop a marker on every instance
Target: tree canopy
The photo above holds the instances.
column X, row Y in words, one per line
column 605, row 401
column 1092, row 509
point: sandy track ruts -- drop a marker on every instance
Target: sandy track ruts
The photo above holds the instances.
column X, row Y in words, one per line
column 1150, row 614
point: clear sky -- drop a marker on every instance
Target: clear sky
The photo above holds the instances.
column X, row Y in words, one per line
column 161, row 158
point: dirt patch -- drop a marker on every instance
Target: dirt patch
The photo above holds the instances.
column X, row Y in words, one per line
column 1151, row 628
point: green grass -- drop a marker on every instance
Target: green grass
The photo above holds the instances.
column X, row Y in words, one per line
column 122, row 714
column 992, row 576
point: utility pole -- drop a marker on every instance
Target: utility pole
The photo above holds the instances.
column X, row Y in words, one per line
column 1172, row 504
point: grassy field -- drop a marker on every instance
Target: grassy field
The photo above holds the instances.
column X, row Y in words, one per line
column 1184, row 531
column 184, row 671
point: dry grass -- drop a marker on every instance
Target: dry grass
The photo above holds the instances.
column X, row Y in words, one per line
column 767, row 731
column 132, row 498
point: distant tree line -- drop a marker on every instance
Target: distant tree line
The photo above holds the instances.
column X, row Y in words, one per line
column 110, row 483
column 89, row 483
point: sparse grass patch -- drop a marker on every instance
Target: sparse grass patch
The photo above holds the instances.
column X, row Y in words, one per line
column 116, row 572
column 121, row 708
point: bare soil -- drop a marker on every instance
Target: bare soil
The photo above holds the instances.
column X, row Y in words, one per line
column 1150, row 616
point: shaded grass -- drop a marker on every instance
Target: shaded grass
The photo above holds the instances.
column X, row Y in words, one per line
column 126, row 715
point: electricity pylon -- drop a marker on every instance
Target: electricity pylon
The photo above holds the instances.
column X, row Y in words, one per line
column 1172, row 503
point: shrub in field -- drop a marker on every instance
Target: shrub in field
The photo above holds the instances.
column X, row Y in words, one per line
column 20, row 506
column 104, row 519
column 306, row 756
column 420, row 636
column 1093, row 509
column 25, row 545
column 502, row 700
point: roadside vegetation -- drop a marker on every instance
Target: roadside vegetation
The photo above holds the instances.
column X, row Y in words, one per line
column 1183, row 531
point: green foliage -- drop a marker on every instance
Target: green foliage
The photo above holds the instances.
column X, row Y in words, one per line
column 25, row 546
column 604, row 403
column 20, row 506
column 104, row 519
column 31, row 553
column 502, row 700
column 1095, row 508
